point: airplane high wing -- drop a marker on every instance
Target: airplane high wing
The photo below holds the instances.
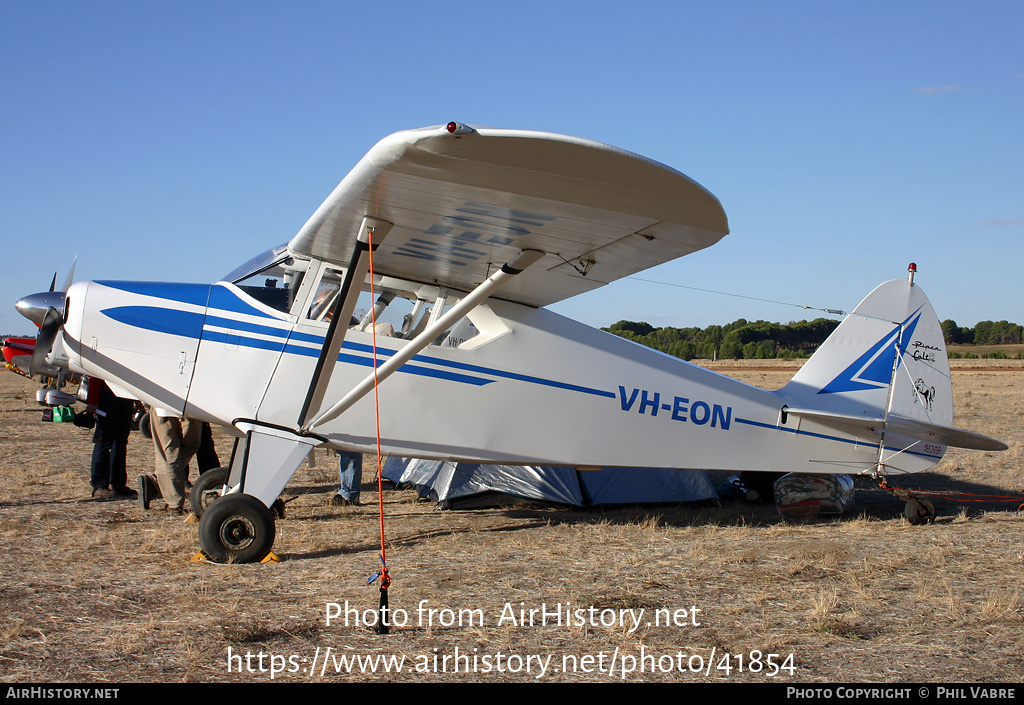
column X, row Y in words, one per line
column 462, row 202
column 473, row 231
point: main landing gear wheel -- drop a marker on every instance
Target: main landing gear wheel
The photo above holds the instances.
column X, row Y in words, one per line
column 207, row 490
column 237, row 528
column 919, row 511
column 145, row 426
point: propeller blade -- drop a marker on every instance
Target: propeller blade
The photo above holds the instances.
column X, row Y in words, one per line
column 53, row 282
column 71, row 276
column 44, row 343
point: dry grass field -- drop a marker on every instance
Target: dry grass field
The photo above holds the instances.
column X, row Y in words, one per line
column 100, row 591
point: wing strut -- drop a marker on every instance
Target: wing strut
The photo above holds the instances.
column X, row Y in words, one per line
column 514, row 266
column 344, row 305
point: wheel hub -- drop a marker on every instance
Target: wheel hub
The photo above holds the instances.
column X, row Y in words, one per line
column 237, row 533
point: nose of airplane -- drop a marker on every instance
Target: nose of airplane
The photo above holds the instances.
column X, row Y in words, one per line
column 34, row 306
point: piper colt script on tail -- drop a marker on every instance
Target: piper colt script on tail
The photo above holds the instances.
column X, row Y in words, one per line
column 473, row 232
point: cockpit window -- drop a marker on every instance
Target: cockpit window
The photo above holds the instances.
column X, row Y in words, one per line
column 256, row 264
column 272, row 278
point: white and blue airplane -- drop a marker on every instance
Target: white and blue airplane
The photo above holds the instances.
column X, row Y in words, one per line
column 472, row 232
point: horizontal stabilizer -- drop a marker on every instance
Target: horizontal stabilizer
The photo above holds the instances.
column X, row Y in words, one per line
column 932, row 433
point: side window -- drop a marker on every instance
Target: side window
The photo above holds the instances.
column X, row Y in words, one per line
column 326, row 294
column 400, row 309
column 391, row 309
column 462, row 331
column 404, row 314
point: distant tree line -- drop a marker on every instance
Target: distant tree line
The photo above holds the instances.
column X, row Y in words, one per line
column 984, row 333
column 744, row 339
column 741, row 339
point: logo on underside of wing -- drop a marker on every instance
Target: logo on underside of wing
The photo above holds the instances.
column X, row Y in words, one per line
column 464, row 236
column 874, row 369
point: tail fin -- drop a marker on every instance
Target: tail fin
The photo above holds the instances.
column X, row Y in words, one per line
column 885, row 366
column 888, row 355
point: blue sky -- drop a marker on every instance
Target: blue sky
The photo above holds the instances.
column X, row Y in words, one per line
column 173, row 140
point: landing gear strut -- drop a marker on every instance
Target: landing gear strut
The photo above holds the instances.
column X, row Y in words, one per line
column 238, row 527
column 212, row 485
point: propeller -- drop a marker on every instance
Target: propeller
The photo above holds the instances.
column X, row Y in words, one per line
column 45, row 309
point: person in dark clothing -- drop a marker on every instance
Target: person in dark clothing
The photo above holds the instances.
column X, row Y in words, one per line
column 206, row 456
column 108, row 471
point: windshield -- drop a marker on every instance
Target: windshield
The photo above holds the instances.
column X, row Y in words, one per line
column 271, row 278
column 257, row 263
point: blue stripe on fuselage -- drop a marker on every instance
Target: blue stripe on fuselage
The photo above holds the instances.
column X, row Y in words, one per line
column 214, row 336
column 222, row 299
column 194, row 294
column 408, row 367
column 245, row 327
column 161, row 320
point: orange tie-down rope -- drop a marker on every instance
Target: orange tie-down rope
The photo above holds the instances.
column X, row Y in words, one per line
column 958, row 496
column 385, row 579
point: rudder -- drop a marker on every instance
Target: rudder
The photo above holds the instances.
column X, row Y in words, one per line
column 852, row 370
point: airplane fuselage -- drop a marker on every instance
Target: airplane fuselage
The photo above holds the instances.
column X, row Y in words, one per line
column 531, row 387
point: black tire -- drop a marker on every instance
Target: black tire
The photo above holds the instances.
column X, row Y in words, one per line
column 144, row 426
column 919, row 511
column 237, row 528
column 207, row 490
